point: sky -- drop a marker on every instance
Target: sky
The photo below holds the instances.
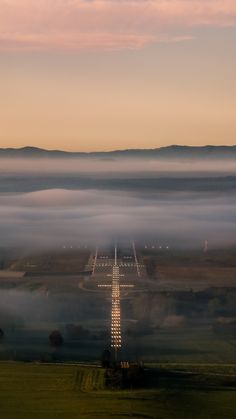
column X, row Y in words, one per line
column 88, row 75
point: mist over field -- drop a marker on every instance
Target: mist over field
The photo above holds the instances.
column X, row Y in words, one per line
column 55, row 212
column 49, row 202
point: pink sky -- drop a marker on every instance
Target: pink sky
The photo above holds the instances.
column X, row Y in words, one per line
column 106, row 24
column 111, row 74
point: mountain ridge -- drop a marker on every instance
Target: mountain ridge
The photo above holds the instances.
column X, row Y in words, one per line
column 169, row 152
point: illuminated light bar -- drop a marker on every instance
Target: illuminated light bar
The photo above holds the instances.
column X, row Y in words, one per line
column 115, row 310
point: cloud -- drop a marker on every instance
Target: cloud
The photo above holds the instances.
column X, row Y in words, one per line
column 73, row 25
column 73, row 41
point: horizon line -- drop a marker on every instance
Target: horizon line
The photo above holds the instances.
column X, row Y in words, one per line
column 28, row 147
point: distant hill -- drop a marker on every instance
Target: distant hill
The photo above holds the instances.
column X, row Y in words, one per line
column 171, row 152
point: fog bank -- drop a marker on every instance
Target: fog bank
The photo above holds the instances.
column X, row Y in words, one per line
column 49, row 202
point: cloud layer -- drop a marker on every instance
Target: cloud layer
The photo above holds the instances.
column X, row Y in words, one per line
column 73, row 25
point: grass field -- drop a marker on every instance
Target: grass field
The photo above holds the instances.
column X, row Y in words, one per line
column 64, row 391
column 65, row 261
column 185, row 344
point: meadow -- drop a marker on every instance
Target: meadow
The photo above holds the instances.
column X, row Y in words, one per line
column 64, row 392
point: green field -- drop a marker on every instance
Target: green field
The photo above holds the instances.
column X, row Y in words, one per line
column 68, row 392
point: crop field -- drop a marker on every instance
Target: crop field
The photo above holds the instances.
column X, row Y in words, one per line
column 64, row 261
column 184, row 344
column 202, row 277
column 224, row 257
column 66, row 392
column 192, row 270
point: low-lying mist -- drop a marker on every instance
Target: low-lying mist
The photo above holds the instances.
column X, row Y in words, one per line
column 22, row 308
column 47, row 202
column 116, row 167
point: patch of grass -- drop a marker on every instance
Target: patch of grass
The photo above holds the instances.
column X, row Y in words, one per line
column 54, row 391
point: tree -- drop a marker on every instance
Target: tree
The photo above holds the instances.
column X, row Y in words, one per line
column 1, row 334
column 56, row 339
column 106, row 358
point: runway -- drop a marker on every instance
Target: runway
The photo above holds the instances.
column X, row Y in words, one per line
column 114, row 268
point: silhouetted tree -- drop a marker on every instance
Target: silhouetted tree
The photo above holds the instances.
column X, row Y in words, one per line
column 106, row 358
column 56, row 338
